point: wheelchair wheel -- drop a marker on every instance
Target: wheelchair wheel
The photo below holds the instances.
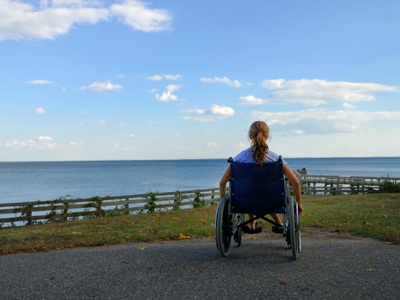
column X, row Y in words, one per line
column 223, row 227
column 297, row 223
column 292, row 228
column 237, row 236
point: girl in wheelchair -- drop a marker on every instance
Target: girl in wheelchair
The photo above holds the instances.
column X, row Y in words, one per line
column 258, row 153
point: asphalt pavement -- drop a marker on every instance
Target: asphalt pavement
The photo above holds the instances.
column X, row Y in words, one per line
column 331, row 266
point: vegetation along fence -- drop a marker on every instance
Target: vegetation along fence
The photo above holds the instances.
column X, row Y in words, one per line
column 65, row 209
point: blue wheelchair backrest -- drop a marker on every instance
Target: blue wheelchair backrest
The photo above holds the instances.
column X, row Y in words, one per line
column 257, row 188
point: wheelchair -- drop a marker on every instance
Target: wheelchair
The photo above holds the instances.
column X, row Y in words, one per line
column 257, row 189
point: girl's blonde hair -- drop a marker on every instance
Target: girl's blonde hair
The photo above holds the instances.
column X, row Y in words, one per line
column 259, row 134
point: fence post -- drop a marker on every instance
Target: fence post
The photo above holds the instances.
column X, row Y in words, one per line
column 65, row 211
column 98, row 206
column 29, row 213
column 126, row 206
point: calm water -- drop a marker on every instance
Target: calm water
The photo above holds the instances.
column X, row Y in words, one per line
column 31, row 181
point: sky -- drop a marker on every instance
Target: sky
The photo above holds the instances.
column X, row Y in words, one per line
column 184, row 79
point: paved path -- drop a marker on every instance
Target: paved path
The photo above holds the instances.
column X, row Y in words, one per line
column 330, row 267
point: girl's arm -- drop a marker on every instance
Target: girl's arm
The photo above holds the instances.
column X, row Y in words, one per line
column 224, row 180
column 295, row 183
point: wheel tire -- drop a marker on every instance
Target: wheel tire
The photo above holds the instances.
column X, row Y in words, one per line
column 223, row 227
column 292, row 229
column 298, row 232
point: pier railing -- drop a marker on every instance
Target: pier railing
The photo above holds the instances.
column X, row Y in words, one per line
column 65, row 209
column 315, row 185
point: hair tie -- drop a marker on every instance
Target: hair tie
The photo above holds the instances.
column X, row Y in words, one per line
column 260, row 134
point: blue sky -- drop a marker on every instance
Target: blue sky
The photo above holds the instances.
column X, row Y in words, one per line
column 175, row 79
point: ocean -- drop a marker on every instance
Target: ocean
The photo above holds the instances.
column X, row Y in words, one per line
column 32, row 181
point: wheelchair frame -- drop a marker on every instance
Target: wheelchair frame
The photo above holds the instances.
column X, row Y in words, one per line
column 269, row 179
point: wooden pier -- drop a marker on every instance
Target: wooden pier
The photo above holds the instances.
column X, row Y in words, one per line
column 314, row 185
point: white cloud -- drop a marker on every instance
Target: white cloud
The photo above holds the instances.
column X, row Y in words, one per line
column 251, row 100
column 166, row 77
column 155, row 77
column 172, row 76
column 223, row 111
column 99, row 123
column 57, row 3
column 198, row 111
column 39, row 82
column 315, row 92
column 45, row 138
column 298, row 131
column 215, row 112
column 23, row 21
column 94, row 123
column 273, row 84
column 40, row 110
column 136, row 14
column 168, row 95
column 317, row 121
column 41, row 142
column 348, row 106
column 76, row 144
column 51, row 18
column 18, row 144
column 102, row 86
column 241, row 145
column 235, row 83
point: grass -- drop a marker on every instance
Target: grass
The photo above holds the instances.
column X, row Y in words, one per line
column 375, row 215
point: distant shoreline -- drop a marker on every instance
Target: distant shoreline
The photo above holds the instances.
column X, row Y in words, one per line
column 191, row 159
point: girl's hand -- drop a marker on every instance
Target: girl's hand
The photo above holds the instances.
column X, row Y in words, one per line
column 300, row 207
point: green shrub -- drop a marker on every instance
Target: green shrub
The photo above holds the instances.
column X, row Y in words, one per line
column 199, row 202
column 389, row 187
column 151, row 205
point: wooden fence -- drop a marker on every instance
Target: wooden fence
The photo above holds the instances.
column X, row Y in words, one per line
column 60, row 210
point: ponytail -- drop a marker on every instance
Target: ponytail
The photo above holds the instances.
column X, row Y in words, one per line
column 259, row 133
